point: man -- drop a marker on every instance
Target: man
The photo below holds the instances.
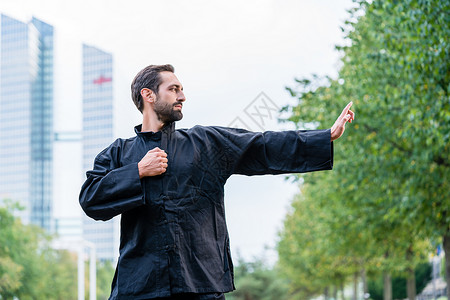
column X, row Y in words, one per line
column 168, row 185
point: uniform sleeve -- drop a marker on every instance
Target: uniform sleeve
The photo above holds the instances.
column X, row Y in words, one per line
column 110, row 190
column 259, row 153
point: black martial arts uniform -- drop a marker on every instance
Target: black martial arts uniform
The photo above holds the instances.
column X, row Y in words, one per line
column 174, row 237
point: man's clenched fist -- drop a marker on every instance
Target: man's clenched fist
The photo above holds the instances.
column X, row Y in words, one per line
column 153, row 163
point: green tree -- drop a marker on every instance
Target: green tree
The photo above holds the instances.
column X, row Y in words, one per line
column 392, row 169
column 311, row 249
column 255, row 280
column 11, row 273
column 105, row 274
column 325, row 243
column 29, row 267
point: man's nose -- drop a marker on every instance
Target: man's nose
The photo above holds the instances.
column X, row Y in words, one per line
column 181, row 97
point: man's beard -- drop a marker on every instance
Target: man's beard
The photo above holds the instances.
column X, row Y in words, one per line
column 165, row 111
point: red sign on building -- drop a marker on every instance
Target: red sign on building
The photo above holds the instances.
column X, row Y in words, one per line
column 101, row 80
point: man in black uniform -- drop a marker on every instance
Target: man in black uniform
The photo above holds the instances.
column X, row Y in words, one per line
column 168, row 185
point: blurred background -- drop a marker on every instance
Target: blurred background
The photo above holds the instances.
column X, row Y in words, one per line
column 376, row 227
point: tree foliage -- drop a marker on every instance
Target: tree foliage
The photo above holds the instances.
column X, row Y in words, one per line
column 389, row 193
column 29, row 267
column 255, row 280
column 105, row 274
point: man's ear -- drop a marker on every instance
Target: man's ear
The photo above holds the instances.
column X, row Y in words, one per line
column 148, row 95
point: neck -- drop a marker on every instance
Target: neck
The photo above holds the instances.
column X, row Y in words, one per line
column 150, row 122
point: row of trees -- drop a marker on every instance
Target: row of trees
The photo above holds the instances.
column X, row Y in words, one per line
column 386, row 204
column 31, row 269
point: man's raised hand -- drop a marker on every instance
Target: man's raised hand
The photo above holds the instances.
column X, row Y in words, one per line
column 339, row 126
column 153, row 163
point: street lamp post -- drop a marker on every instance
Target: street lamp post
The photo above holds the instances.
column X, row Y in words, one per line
column 92, row 270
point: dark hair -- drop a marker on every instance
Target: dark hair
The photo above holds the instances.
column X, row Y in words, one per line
column 147, row 78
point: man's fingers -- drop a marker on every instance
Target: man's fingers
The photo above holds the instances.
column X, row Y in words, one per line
column 348, row 117
column 346, row 110
column 163, row 167
column 156, row 149
column 352, row 115
column 338, row 127
column 163, row 163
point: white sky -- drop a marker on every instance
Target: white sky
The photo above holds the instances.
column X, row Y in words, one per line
column 224, row 52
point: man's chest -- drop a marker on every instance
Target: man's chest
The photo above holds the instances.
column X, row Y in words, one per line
column 193, row 165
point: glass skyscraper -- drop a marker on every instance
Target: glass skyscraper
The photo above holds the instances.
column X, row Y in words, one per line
column 26, row 117
column 97, row 134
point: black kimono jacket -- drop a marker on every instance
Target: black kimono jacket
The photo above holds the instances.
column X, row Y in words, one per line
column 174, row 237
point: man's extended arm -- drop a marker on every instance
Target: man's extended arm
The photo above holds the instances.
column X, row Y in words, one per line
column 270, row 152
column 284, row 152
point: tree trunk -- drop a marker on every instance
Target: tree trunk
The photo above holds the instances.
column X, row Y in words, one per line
column 387, row 289
column 364, row 281
column 355, row 286
column 325, row 293
column 446, row 242
column 411, row 284
column 335, row 292
column 411, row 280
column 342, row 290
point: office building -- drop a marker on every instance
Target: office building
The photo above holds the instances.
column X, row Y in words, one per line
column 26, row 117
column 97, row 134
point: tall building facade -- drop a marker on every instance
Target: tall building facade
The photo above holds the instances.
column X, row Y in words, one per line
column 26, row 117
column 97, row 134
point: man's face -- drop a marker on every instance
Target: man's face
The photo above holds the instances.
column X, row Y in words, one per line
column 170, row 98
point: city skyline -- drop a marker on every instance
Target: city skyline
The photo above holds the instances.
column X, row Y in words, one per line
column 31, row 145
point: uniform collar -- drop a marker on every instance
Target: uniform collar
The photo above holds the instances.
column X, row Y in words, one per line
column 168, row 128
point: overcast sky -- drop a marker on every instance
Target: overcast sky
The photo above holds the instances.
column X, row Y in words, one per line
column 225, row 53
